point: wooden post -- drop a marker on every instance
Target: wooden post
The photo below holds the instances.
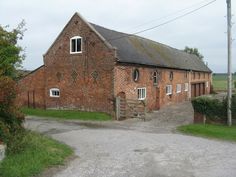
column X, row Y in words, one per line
column 117, row 108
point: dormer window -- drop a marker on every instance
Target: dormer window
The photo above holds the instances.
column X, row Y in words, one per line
column 76, row 45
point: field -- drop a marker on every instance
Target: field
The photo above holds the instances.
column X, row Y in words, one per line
column 220, row 81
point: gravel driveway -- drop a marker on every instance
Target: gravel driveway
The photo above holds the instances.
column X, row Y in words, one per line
column 134, row 148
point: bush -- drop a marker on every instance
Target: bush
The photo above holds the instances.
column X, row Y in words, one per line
column 17, row 141
column 235, row 84
column 4, row 132
column 10, row 116
column 212, row 108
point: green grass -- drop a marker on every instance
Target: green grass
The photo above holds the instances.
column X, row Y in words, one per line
column 40, row 153
column 210, row 131
column 67, row 114
column 220, row 81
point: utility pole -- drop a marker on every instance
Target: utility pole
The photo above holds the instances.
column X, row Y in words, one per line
column 229, row 93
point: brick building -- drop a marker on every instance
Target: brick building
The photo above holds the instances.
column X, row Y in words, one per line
column 88, row 66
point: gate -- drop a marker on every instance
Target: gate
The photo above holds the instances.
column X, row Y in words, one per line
column 128, row 108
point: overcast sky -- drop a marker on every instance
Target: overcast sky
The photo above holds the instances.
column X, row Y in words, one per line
column 204, row 29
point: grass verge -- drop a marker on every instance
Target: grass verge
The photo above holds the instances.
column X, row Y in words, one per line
column 210, row 131
column 67, row 114
column 40, row 153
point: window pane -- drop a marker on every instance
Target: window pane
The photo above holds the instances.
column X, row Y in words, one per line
column 78, row 49
column 73, row 45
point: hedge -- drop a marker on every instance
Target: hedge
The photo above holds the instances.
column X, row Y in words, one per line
column 214, row 108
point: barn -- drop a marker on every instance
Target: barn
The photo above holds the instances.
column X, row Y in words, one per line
column 92, row 68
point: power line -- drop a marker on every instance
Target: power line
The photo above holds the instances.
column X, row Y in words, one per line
column 168, row 15
column 162, row 24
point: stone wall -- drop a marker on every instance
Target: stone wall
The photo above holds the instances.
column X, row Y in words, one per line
column 2, row 152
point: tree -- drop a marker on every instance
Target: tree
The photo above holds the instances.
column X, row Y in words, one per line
column 10, row 59
column 193, row 51
column 11, row 54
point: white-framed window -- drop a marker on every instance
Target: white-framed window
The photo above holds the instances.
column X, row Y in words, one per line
column 178, row 88
column 207, row 84
column 168, row 89
column 54, row 92
column 186, row 87
column 142, row 93
column 76, row 45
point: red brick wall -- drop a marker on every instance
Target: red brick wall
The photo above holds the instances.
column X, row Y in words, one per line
column 156, row 94
column 31, row 89
column 85, row 80
column 201, row 77
column 90, row 80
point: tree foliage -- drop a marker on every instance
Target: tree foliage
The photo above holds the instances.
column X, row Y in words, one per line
column 193, row 51
column 10, row 59
column 11, row 54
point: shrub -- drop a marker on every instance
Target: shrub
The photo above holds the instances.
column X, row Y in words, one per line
column 235, row 84
column 9, row 113
column 4, row 132
column 10, row 116
column 233, row 106
column 212, row 108
column 17, row 141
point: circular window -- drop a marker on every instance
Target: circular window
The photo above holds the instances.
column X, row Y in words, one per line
column 136, row 75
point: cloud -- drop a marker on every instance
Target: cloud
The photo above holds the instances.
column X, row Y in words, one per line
column 204, row 29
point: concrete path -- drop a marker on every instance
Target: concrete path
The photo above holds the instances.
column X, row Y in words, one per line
column 134, row 148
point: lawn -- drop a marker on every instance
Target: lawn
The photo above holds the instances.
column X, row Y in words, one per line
column 210, row 131
column 67, row 114
column 40, row 153
column 220, row 81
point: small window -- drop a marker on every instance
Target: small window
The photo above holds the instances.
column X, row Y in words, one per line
column 186, row 87
column 141, row 93
column 136, row 75
column 178, row 88
column 199, row 75
column 168, row 89
column 155, row 77
column 186, row 75
column 54, row 92
column 76, row 45
column 207, row 84
column 171, row 76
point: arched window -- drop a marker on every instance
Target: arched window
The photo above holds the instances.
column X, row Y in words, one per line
column 136, row 75
column 171, row 76
column 76, row 45
column 54, row 92
column 155, row 77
